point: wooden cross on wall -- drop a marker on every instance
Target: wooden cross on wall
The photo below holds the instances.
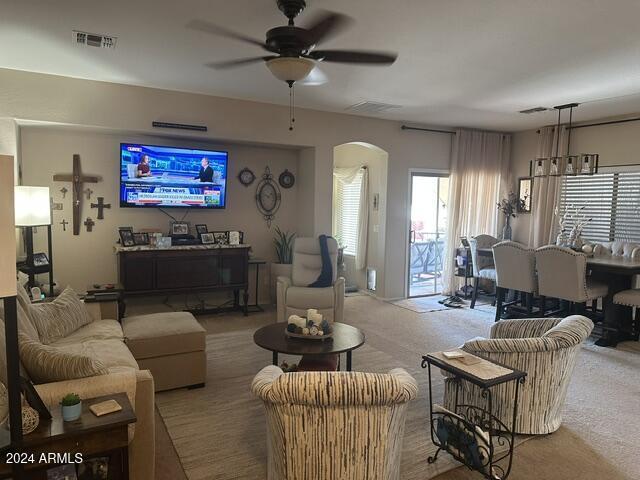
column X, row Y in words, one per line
column 100, row 206
column 77, row 179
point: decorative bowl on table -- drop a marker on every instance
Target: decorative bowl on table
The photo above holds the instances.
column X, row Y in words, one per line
column 311, row 327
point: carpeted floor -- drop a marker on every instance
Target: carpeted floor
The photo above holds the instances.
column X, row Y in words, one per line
column 219, row 431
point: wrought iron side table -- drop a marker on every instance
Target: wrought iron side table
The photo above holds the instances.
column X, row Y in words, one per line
column 488, row 450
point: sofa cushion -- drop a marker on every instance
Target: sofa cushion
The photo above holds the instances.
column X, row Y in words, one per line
column 25, row 314
column 49, row 364
column 57, row 319
column 161, row 334
column 111, row 353
column 305, row 297
column 96, row 330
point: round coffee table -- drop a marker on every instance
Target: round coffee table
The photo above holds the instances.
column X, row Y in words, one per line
column 345, row 339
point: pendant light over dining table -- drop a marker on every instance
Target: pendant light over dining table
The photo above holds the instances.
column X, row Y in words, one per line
column 567, row 165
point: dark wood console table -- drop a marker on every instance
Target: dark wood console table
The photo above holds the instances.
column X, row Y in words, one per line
column 145, row 270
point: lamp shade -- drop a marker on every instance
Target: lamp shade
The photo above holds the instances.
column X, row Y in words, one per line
column 7, row 229
column 290, row 69
column 32, row 206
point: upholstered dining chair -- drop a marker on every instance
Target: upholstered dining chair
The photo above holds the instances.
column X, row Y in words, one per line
column 631, row 299
column 515, row 266
column 545, row 348
column 483, row 266
column 562, row 274
column 295, row 297
column 334, row 425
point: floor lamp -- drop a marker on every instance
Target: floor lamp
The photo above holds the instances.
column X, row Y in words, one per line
column 33, row 209
column 8, row 295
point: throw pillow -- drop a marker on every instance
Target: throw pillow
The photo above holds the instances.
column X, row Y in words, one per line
column 48, row 364
column 57, row 319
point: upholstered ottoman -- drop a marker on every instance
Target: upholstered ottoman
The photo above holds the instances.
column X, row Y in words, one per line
column 171, row 345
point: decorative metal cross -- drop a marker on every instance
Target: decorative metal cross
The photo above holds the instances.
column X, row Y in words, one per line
column 89, row 223
column 64, row 191
column 100, row 206
column 88, row 193
column 77, row 179
column 64, row 224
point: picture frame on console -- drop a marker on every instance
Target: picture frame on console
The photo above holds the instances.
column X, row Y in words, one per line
column 207, row 238
column 235, row 237
column 200, row 229
column 221, row 238
column 141, row 238
column 126, row 237
column 179, row 228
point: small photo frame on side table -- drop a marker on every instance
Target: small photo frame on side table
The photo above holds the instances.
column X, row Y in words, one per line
column 200, row 229
column 235, row 237
column 207, row 239
column 179, row 228
column 40, row 260
column 221, row 238
column 141, row 238
column 126, row 237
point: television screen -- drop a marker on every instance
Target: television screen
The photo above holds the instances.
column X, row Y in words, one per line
column 153, row 176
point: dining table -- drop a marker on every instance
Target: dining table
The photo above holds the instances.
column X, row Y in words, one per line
column 618, row 273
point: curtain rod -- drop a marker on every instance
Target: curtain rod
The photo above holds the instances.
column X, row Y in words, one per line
column 405, row 127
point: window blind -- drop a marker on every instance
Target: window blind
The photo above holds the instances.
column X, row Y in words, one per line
column 347, row 206
column 610, row 200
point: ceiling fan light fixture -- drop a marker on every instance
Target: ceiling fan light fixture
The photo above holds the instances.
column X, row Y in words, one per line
column 290, row 69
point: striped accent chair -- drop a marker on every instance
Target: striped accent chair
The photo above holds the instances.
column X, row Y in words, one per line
column 334, row 425
column 545, row 348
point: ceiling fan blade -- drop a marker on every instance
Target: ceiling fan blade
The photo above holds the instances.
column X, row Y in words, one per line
column 316, row 77
column 327, row 24
column 237, row 63
column 212, row 29
column 354, row 56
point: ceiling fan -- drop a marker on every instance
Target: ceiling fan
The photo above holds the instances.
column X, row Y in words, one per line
column 292, row 50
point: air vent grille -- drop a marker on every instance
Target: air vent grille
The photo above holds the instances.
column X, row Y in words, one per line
column 535, row 110
column 371, row 107
column 93, row 39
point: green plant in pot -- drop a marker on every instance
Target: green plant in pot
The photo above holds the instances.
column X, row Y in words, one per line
column 283, row 243
column 71, row 407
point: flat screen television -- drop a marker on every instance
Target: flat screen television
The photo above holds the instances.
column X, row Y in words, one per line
column 155, row 176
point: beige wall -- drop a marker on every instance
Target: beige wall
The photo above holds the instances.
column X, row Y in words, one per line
column 130, row 109
column 376, row 160
column 89, row 258
column 617, row 144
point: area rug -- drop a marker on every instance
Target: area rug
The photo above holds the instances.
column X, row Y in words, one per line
column 421, row 304
column 219, row 431
column 168, row 466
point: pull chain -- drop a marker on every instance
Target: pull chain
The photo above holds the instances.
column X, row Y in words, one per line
column 292, row 100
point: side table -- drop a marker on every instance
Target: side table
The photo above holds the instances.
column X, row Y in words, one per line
column 257, row 262
column 89, row 436
column 473, row 434
column 107, row 294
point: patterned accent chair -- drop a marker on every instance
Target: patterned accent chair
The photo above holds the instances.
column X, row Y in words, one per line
column 483, row 266
column 295, row 296
column 515, row 266
column 545, row 348
column 334, row 425
column 562, row 274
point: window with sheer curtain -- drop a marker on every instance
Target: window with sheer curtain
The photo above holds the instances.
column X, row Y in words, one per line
column 347, row 205
column 610, row 200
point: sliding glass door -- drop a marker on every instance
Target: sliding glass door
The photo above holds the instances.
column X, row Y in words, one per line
column 428, row 212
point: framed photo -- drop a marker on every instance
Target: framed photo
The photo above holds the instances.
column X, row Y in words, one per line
column 179, row 228
column 141, row 238
column 126, row 238
column 207, row 238
column 221, row 238
column 200, row 229
column 525, row 187
column 236, row 237
column 96, row 468
column 40, row 260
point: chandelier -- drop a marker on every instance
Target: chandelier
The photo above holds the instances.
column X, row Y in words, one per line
column 567, row 165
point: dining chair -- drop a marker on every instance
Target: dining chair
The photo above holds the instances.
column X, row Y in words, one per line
column 630, row 298
column 562, row 274
column 483, row 266
column 515, row 266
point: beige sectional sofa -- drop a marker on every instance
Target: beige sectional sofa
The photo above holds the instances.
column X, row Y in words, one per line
column 103, row 340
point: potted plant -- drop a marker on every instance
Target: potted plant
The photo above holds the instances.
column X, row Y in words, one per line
column 71, row 407
column 283, row 242
column 509, row 207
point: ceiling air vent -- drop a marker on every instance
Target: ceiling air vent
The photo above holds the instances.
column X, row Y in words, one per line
column 535, row 110
column 371, row 107
column 93, row 39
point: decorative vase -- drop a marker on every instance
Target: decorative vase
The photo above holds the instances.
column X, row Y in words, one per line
column 278, row 270
column 561, row 239
column 71, row 412
column 506, row 230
